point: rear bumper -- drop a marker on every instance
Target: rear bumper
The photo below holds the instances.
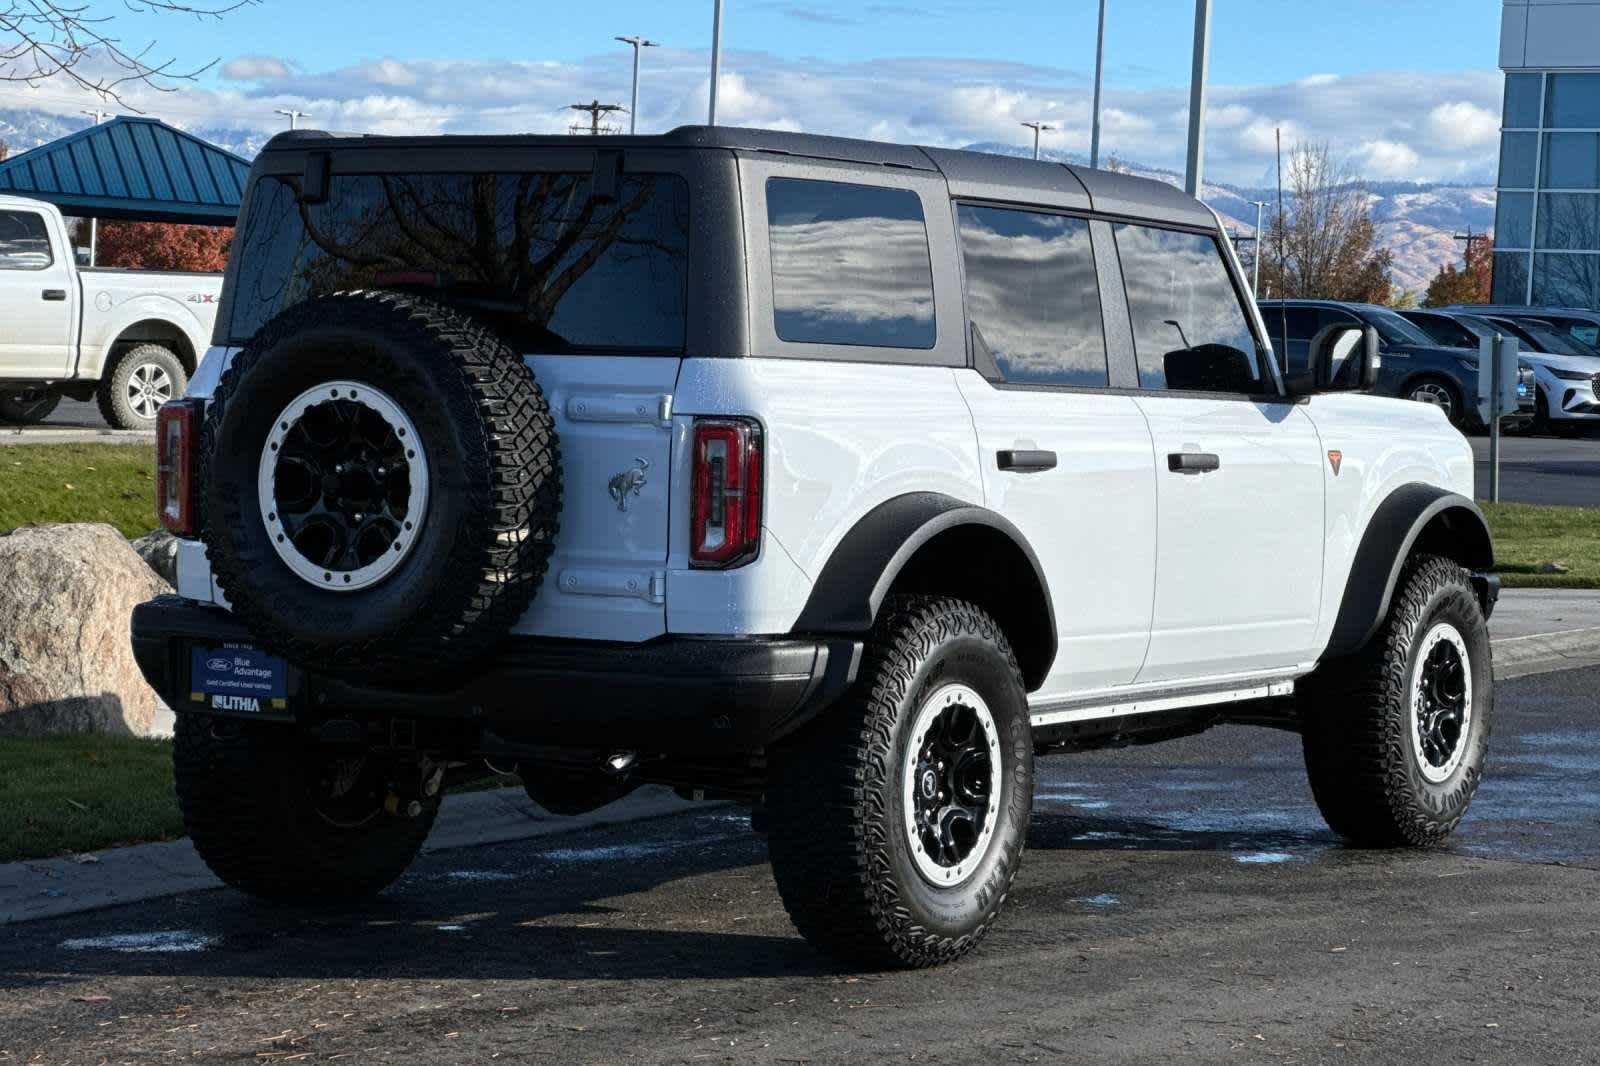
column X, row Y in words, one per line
column 674, row 695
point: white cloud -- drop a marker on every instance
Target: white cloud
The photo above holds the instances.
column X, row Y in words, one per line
column 1464, row 124
column 256, row 68
column 1388, row 159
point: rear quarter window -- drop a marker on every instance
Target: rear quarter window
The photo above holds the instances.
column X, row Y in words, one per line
column 552, row 268
column 850, row 264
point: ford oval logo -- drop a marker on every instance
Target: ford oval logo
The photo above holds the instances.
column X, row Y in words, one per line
column 224, row 666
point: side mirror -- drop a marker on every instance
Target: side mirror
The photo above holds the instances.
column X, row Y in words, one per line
column 1343, row 358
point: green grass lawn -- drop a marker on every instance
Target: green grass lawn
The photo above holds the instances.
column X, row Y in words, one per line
column 70, row 794
column 1528, row 537
column 43, row 483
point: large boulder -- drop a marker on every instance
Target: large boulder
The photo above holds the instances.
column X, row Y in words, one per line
column 66, row 594
column 160, row 550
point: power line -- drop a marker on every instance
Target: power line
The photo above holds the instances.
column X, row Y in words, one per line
column 595, row 109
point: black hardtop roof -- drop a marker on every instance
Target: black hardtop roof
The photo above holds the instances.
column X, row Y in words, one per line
column 976, row 175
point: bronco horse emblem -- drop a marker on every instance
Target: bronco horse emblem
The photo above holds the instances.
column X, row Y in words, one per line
column 628, row 483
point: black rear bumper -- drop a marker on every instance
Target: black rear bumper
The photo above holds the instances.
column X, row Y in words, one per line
column 674, row 695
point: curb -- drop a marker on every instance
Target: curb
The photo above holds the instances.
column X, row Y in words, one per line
column 50, row 888
column 1544, row 653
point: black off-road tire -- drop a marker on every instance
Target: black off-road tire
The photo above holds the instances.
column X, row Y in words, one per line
column 494, row 472
column 1362, row 750
column 116, row 404
column 26, row 407
column 249, row 798
column 835, row 819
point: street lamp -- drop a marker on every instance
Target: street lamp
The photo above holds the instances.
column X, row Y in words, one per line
column 1038, row 128
column 1255, row 279
column 1099, row 72
column 1197, row 97
column 716, row 60
column 638, row 43
column 294, row 117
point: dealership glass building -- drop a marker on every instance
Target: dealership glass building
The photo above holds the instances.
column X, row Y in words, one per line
column 1547, row 224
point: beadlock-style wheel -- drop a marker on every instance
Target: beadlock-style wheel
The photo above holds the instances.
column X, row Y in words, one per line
column 948, row 784
column 1441, row 702
column 343, row 485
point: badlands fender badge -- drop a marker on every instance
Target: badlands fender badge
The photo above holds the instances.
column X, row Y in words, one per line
column 1335, row 460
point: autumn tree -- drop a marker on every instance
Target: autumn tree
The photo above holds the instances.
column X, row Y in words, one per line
column 75, row 43
column 1469, row 285
column 1323, row 245
column 5, row 150
column 163, row 246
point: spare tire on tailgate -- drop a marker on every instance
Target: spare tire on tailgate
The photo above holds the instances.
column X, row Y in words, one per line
column 381, row 485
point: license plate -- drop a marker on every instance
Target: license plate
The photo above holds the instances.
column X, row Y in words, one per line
column 237, row 677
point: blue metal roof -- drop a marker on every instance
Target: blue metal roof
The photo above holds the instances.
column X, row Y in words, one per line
column 132, row 168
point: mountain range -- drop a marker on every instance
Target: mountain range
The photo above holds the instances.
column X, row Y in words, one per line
column 1417, row 221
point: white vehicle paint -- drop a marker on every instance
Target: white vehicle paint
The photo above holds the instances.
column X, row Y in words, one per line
column 67, row 326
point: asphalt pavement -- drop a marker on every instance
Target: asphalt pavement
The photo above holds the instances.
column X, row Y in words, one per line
column 72, row 422
column 1547, row 470
column 1177, row 901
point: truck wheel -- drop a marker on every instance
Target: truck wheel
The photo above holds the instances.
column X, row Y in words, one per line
column 141, row 380
column 24, row 408
column 897, row 819
column 275, row 820
column 1396, row 736
column 380, row 486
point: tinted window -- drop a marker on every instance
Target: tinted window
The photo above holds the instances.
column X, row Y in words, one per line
column 1032, row 295
column 1189, row 328
column 1571, row 161
column 1513, row 220
column 1566, row 280
column 1510, row 278
column 1518, row 160
column 850, row 264
column 1569, row 220
column 1444, row 330
column 24, row 241
column 1522, row 101
column 550, row 267
column 1394, row 329
column 1573, row 101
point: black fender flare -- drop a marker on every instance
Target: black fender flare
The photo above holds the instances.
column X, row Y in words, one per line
column 851, row 587
column 1397, row 525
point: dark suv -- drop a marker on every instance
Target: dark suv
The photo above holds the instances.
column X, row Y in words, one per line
column 1415, row 366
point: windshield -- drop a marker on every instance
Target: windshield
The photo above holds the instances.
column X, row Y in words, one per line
column 1396, row 330
column 1544, row 338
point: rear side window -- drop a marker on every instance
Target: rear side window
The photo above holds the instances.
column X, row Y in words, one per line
column 24, row 241
column 552, row 268
column 850, row 264
column 1189, row 327
column 1033, row 296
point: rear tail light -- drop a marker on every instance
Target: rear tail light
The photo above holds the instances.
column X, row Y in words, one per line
column 176, row 426
column 725, row 518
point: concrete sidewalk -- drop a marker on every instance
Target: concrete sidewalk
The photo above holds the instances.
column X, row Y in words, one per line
column 1539, row 630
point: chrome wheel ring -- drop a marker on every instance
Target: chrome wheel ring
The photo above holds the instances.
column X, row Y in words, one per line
column 950, row 785
column 1437, row 395
column 1441, row 702
column 149, row 386
column 343, row 485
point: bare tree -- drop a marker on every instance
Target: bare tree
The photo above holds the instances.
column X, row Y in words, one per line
column 5, row 151
column 41, row 40
column 1324, row 244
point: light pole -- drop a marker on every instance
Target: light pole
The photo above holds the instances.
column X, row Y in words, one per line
column 1038, row 128
column 716, row 60
column 100, row 116
column 1099, row 72
column 294, row 117
column 1255, row 272
column 638, row 43
column 1197, row 97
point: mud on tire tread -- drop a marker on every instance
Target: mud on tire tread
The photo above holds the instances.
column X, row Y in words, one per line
column 245, row 807
column 834, row 786
column 509, row 487
column 1357, row 722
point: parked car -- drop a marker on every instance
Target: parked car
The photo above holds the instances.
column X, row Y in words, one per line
column 1579, row 323
column 129, row 339
column 1415, row 366
column 1565, row 369
column 839, row 477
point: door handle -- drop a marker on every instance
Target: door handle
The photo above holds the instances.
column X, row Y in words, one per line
column 1025, row 461
column 55, row 294
column 1193, row 462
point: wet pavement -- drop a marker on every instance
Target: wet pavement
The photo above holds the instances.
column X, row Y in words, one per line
column 1178, row 901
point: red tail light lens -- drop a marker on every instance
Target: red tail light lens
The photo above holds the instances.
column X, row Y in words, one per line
column 176, row 425
column 725, row 518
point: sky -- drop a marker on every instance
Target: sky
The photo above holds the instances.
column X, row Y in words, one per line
column 1403, row 89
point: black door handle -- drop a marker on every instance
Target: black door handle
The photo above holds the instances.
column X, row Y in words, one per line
column 1026, row 462
column 1193, row 462
column 55, row 294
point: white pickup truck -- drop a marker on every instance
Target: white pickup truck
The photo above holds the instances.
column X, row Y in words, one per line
column 126, row 338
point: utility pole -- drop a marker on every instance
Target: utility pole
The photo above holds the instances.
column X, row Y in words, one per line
column 1038, row 128
column 1197, row 97
column 1255, row 277
column 633, row 112
column 294, row 117
column 99, row 116
column 716, row 60
column 595, row 109
column 1099, row 72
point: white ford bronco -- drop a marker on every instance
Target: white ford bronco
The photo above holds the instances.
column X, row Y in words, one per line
column 842, row 478
column 126, row 338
